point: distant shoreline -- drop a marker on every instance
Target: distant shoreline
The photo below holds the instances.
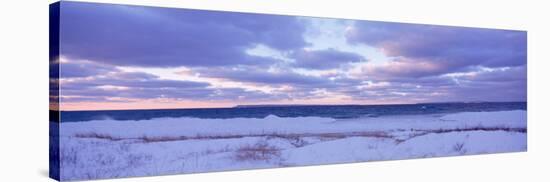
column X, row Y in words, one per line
column 310, row 105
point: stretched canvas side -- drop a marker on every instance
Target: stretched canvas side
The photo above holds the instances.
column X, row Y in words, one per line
column 54, row 160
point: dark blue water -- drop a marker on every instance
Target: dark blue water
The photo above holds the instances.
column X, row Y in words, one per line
column 330, row 111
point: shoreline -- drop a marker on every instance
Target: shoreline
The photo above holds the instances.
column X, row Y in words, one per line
column 103, row 149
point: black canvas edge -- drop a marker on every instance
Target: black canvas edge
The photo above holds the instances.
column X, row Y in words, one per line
column 54, row 119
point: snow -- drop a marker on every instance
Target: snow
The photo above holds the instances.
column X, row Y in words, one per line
column 107, row 148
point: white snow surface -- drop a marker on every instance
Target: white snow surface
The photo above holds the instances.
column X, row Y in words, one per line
column 108, row 148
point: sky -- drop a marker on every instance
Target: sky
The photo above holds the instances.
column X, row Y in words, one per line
column 135, row 57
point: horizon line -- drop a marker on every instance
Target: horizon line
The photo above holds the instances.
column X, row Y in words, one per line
column 287, row 105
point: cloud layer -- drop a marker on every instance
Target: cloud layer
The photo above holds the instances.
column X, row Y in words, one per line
column 443, row 48
column 164, row 37
column 133, row 54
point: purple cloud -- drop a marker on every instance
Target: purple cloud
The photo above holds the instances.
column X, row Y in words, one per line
column 258, row 75
column 138, row 85
column 505, row 84
column 324, row 59
column 131, row 85
column 450, row 48
column 165, row 37
column 84, row 69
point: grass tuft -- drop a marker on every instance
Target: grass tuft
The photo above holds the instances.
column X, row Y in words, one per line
column 259, row 151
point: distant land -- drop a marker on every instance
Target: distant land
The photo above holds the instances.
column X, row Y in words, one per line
column 304, row 105
column 287, row 105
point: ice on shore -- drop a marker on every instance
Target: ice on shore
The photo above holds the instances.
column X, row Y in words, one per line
column 163, row 127
column 107, row 148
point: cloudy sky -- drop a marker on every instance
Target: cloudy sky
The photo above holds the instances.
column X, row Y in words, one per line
column 132, row 57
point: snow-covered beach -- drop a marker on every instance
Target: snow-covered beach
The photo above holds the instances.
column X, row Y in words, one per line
column 110, row 148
